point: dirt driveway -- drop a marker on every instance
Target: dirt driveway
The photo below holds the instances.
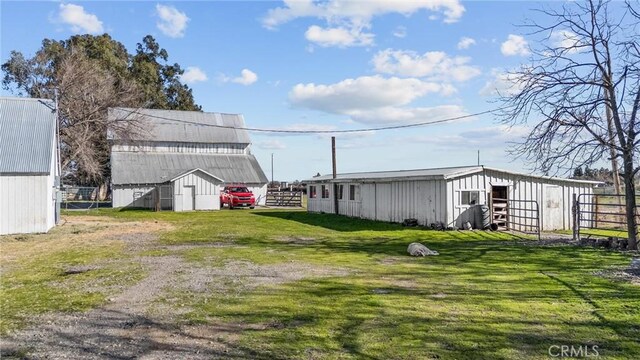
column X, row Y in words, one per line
column 138, row 322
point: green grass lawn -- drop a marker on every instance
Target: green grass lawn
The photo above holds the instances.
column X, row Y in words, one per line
column 485, row 297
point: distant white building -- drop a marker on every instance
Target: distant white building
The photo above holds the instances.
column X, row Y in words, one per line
column 28, row 165
column 183, row 160
column 516, row 201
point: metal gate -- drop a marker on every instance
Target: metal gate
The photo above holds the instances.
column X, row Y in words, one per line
column 603, row 212
column 524, row 216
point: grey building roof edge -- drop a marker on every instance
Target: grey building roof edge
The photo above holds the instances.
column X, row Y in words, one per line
column 136, row 168
column 432, row 173
column 27, row 135
column 182, row 126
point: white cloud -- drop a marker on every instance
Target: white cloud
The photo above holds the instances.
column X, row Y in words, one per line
column 502, row 83
column 361, row 93
column 466, row 42
column 400, row 32
column 247, row 77
column 350, row 17
column 434, row 64
column 515, row 45
column 193, row 75
column 391, row 114
column 80, row 20
column 481, row 137
column 173, row 22
column 374, row 99
column 566, row 40
column 338, row 36
column 271, row 145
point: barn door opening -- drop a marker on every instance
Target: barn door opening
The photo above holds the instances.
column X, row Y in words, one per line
column 500, row 206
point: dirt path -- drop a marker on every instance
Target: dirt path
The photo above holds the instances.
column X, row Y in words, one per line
column 132, row 325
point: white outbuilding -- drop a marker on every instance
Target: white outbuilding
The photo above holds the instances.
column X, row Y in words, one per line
column 28, row 165
column 182, row 160
column 450, row 195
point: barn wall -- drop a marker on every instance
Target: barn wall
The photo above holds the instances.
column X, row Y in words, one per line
column 260, row 193
column 207, row 191
column 553, row 197
column 26, row 204
column 392, row 201
column 132, row 196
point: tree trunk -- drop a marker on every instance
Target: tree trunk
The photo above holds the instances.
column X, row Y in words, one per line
column 630, row 201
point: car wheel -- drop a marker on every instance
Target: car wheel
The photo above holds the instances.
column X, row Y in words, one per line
column 252, row 207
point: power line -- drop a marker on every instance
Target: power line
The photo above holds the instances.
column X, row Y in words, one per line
column 284, row 131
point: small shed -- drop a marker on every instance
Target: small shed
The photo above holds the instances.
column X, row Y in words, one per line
column 29, row 170
column 450, row 195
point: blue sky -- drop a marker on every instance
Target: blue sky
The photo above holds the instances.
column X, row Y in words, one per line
column 334, row 65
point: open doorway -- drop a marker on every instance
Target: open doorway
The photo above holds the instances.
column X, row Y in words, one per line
column 500, row 206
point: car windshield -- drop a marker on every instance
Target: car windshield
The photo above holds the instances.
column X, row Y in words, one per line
column 238, row 189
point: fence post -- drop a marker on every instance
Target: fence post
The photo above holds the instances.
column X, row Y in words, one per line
column 575, row 209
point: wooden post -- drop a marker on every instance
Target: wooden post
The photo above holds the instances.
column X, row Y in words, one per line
column 335, row 185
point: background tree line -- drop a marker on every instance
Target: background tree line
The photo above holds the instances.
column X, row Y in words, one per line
column 89, row 74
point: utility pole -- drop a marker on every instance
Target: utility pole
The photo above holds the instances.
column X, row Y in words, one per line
column 335, row 184
column 478, row 157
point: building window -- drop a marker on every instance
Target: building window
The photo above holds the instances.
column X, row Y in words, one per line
column 312, row 192
column 469, row 197
column 353, row 190
column 340, row 191
column 325, row 191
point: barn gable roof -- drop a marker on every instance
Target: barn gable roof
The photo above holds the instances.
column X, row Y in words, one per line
column 185, row 126
column 445, row 173
column 27, row 133
column 156, row 168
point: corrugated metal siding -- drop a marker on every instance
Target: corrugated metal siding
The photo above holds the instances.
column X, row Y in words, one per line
column 27, row 131
column 390, row 201
column 207, row 191
column 133, row 196
column 155, row 168
column 26, row 204
column 521, row 187
column 190, row 126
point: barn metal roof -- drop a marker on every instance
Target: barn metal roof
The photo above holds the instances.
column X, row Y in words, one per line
column 185, row 126
column 157, row 168
column 429, row 174
column 27, row 132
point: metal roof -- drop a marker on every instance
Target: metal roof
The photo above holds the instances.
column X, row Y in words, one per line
column 27, row 133
column 437, row 173
column 157, row 168
column 185, row 126
column 430, row 174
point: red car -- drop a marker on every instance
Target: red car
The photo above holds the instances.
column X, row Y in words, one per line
column 237, row 196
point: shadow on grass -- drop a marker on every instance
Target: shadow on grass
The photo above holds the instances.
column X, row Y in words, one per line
column 332, row 221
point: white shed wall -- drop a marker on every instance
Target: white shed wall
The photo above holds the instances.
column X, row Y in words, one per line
column 27, row 204
column 520, row 188
column 260, row 193
column 207, row 192
column 392, row 201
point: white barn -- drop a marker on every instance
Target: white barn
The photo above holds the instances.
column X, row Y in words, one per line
column 448, row 195
column 183, row 160
column 28, row 165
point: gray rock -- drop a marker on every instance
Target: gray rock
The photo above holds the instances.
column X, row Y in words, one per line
column 417, row 249
column 635, row 263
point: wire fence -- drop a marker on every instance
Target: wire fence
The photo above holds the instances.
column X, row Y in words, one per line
column 83, row 198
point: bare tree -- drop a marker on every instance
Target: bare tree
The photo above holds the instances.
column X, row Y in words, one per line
column 86, row 92
column 586, row 65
